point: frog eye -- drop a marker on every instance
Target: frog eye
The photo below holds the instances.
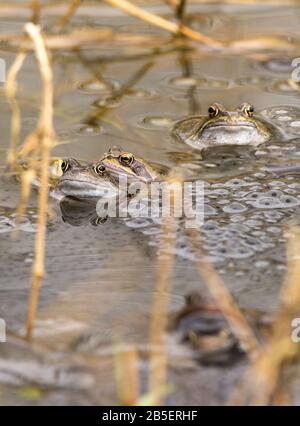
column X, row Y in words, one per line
column 99, row 169
column 213, row 111
column 126, row 159
column 249, row 110
column 100, row 220
column 65, row 165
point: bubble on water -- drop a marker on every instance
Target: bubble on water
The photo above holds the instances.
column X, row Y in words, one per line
column 276, row 183
column 139, row 222
column 262, row 264
column 210, row 225
column 29, row 227
column 186, row 82
column 275, row 193
column 259, row 175
column 152, row 231
column 6, row 225
column 98, row 86
column 183, row 82
column 223, row 202
column 281, row 65
column 289, row 201
column 256, row 81
column 210, row 210
column 266, row 203
column 239, row 227
column 156, row 122
column 252, row 223
column 235, row 208
column 216, row 193
column 235, row 251
column 260, row 153
column 236, row 183
column 295, row 123
column 273, row 230
column 284, row 118
column 84, row 129
column 282, row 86
column 213, row 84
column 107, row 102
column 141, row 93
column 282, row 115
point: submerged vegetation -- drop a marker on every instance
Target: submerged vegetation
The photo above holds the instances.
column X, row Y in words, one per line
column 263, row 381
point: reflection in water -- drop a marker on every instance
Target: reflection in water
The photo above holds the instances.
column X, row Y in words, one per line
column 78, row 212
column 100, row 280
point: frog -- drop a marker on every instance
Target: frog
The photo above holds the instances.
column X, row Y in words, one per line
column 85, row 180
column 240, row 126
column 121, row 163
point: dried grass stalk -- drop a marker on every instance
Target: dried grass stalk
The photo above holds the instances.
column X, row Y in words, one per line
column 127, row 375
column 10, row 91
column 73, row 40
column 261, row 383
column 68, row 15
column 160, row 22
column 36, row 11
column 158, row 358
column 42, row 139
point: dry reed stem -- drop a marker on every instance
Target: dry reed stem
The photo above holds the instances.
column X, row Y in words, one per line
column 224, row 300
column 45, row 135
column 127, row 375
column 36, row 11
column 69, row 13
column 160, row 22
column 73, row 40
column 259, row 385
column 10, row 91
column 262, row 43
column 158, row 359
column 172, row 3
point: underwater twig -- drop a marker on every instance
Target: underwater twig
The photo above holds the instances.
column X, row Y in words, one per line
column 187, row 71
column 45, row 135
column 180, row 10
column 224, row 299
column 93, row 118
column 160, row 22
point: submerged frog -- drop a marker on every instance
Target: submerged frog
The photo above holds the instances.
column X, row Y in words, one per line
column 222, row 127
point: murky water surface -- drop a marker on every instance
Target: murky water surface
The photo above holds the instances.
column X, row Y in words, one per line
column 100, row 276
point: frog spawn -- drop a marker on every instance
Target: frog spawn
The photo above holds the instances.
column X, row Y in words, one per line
column 8, row 221
column 287, row 118
column 243, row 218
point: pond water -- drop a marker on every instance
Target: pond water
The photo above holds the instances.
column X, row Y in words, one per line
column 100, row 280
